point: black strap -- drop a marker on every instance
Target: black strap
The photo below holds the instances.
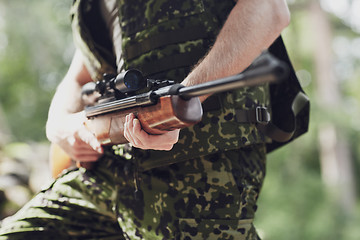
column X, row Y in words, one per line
column 261, row 117
column 136, row 49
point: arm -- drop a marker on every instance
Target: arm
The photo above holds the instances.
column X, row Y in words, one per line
column 250, row 28
column 65, row 120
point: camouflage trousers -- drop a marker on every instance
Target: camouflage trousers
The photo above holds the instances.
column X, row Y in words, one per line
column 211, row 197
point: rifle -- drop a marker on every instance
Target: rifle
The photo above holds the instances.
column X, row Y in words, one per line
column 164, row 107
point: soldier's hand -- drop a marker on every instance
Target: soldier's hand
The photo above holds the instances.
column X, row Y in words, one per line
column 141, row 139
column 76, row 140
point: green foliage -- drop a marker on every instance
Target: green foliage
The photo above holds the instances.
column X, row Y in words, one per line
column 295, row 203
column 36, row 49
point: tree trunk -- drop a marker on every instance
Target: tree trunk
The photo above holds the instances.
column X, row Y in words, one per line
column 335, row 157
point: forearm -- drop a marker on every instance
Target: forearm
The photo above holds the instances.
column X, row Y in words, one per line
column 66, row 105
column 250, row 28
column 65, row 125
column 63, row 106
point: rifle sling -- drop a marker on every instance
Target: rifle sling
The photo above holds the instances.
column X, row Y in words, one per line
column 261, row 117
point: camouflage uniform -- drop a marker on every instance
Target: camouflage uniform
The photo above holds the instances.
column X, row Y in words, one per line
column 205, row 188
column 211, row 197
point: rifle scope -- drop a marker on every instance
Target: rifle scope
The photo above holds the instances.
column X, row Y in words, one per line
column 125, row 82
column 129, row 81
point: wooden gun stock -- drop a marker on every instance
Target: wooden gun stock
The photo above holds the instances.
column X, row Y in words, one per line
column 170, row 113
column 59, row 160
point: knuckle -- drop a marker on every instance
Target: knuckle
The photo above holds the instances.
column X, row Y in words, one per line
column 137, row 144
column 168, row 147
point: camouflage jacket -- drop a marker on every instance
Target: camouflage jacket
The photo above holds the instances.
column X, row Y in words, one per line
column 165, row 39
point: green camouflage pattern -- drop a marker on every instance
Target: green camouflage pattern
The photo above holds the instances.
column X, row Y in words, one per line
column 143, row 22
column 212, row 197
column 152, row 26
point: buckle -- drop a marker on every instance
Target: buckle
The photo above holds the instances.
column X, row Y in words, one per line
column 262, row 115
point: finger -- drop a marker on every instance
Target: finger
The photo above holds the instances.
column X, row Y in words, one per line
column 156, row 142
column 139, row 135
column 87, row 158
column 84, row 149
column 128, row 129
column 87, row 165
column 170, row 137
column 165, row 141
column 85, row 155
column 87, row 137
column 134, row 133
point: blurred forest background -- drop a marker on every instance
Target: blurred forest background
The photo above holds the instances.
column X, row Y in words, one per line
column 312, row 186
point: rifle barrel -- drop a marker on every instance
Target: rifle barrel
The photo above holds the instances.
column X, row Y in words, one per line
column 266, row 69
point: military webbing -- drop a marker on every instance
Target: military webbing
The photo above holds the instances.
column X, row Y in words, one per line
column 165, row 38
column 261, row 117
column 289, row 106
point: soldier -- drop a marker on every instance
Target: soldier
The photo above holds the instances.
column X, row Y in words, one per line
column 198, row 183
